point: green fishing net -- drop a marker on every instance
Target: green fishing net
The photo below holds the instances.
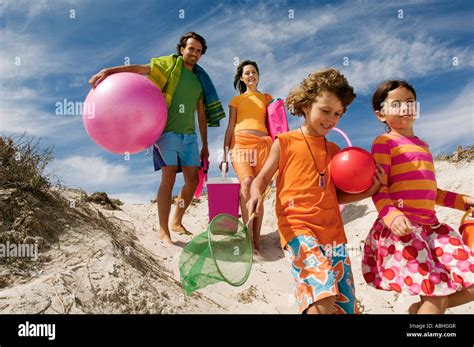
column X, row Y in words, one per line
column 221, row 253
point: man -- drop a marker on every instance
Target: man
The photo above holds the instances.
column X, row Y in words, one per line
column 185, row 87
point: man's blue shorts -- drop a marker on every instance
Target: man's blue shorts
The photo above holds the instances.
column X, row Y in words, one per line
column 176, row 150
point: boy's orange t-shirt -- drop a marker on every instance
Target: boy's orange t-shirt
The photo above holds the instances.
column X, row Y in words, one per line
column 302, row 207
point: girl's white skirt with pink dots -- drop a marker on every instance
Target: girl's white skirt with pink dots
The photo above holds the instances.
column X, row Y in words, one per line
column 431, row 261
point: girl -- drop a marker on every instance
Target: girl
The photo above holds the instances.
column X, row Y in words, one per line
column 408, row 250
column 247, row 136
column 309, row 222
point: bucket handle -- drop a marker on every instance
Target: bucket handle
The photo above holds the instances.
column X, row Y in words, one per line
column 224, row 171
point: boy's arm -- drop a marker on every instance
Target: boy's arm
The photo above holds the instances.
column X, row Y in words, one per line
column 202, row 122
column 104, row 73
column 255, row 203
column 453, row 200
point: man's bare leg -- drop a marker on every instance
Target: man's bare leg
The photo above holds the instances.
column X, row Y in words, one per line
column 191, row 180
column 163, row 201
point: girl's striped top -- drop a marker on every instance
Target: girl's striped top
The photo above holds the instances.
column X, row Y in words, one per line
column 409, row 184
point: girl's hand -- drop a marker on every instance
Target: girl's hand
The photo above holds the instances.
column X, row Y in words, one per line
column 377, row 180
column 255, row 205
column 226, row 167
column 402, row 226
column 470, row 202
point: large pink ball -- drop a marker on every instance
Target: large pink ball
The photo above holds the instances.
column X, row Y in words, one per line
column 353, row 170
column 125, row 113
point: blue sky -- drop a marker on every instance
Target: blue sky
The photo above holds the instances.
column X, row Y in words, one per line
column 47, row 56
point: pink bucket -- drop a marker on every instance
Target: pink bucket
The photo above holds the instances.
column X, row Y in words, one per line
column 223, row 196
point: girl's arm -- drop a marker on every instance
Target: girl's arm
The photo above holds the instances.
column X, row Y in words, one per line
column 255, row 203
column 453, row 200
column 382, row 200
column 228, row 134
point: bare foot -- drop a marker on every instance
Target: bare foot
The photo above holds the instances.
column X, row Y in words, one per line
column 165, row 237
column 413, row 309
column 256, row 257
column 180, row 229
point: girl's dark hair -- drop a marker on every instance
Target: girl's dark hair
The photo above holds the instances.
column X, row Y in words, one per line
column 382, row 91
column 384, row 88
column 191, row 35
column 238, row 84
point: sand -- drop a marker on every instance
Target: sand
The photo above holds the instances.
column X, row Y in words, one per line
column 88, row 274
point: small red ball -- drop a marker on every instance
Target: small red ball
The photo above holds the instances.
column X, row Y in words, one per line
column 353, row 170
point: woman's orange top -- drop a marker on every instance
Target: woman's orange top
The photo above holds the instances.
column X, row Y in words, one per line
column 251, row 111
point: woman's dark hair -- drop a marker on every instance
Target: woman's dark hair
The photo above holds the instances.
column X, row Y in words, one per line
column 191, row 35
column 384, row 88
column 238, row 84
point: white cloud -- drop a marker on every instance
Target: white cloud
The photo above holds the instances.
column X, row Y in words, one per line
column 131, row 182
column 390, row 56
column 451, row 124
column 286, row 50
column 88, row 172
column 21, row 105
column 33, row 9
column 134, row 198
column 20, row 112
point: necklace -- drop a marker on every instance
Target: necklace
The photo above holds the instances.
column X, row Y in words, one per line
column 322, row 181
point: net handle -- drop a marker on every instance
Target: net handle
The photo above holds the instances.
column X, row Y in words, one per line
column 224, row 171
column 252, row 216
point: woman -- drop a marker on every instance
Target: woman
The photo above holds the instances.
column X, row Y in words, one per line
column 247, row 136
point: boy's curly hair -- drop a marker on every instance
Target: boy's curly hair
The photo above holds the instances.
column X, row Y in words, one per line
column 324, row 80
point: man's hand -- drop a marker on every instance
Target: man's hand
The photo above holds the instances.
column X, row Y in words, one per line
column 205, row 153
column 98, row 77
column 104, row 73
column 402, row 226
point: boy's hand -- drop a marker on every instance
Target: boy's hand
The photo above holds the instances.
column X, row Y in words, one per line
column 402, row 226
column 255, row 205
column 377, row 180
column 98, row 77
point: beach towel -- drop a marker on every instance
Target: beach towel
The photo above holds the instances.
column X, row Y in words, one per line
column 165, row 73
